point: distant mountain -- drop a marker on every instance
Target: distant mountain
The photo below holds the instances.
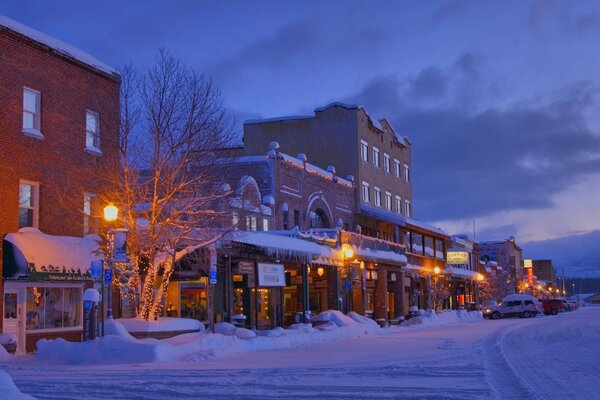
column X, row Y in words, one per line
column 579, row 255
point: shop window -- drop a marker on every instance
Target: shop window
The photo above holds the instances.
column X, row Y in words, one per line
column 52, row 307
column 10, row 305
column 428, row 246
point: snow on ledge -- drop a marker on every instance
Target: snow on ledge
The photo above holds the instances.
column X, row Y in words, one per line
column 164, row 324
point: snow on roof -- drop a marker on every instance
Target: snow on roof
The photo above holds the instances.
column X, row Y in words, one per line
column 423, row 225
column 49, row 253
column 57, row 45
column 388, row 216
column 338, row 104
column 313, row 169
column 461, row 273
column 284, row 246
column 276, row 119
column 379, row 255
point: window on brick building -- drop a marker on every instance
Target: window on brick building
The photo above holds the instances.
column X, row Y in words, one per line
column 397, row 168
column 365, row 192
column 28, row 204
column 406, row 174
column 297, row 218
column 388, row 201
column 31, row 113
column 92, row 131
column 265, row 224
column 89, row 222
column 376, row 157
column 398, row 204
column 364, row 151
column 377, row 195
column 286, row 217
column 251, row 223
column 386, row 163
column 407, row 208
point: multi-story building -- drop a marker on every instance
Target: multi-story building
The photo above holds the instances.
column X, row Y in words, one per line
column 507, row 255
column 378, row 160
column 544, row 270
column 59, row 124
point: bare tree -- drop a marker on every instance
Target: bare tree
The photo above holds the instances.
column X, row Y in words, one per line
column 169, row 190
column 439, row 291
column 496, row 286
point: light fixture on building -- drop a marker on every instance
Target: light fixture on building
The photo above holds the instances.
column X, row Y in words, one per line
column 111, row 212
column 308, row 269
column 480, row 277
column 347, row 253
column 320, row 271
column 436, row 270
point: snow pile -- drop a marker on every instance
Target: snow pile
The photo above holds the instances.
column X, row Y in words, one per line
column 7, row 338
column 115, row 328
column 9, row 390
column 4, row 355
column 163, row 324
column 448, row 317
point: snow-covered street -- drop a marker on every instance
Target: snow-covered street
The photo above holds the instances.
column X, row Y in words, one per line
column 544, row 357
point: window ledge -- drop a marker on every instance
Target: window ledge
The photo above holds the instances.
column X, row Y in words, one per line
column 34, row 133
column 93, row 150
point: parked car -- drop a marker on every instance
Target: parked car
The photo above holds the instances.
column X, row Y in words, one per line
column 573, row 305
column 511, row 308
column 533, row 304
column 565, row 303
column 552, row 306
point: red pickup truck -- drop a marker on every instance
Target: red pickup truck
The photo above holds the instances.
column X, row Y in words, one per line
column 552, row 306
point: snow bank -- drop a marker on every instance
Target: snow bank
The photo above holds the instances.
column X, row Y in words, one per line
column 115, row 328
column 445, row 317
column 4, row 355
column 163, row 324
column 9, row 390
column 7, row 338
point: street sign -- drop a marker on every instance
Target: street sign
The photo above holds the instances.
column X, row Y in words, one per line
column 347, row 285
column 96, row 269
column 108, row 274
column 213, row 274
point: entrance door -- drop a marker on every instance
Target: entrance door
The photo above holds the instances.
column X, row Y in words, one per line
column 13, row 316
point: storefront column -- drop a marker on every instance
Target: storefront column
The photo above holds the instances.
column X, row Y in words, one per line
column 399, row 290
column 381, row 294
column 305, row 294
column 228, row 289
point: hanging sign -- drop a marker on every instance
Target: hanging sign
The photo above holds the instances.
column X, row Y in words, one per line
column 96, row 269
column 213, row 274
column 108, row 275
column 119, row 245
column 457, row 257
column 271, row 275
column 528, row 263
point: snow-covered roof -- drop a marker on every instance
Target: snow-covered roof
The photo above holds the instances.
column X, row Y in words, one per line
column 57, row 45
column 52, row 254
column 461, row 273
column 284, row 246
column 313, row 169
column 423, row 225
column 338, row 104
column 388, row 216
column 276, row 119
column 379, row 255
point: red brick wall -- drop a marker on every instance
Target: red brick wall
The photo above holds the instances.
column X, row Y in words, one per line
column 295, row 186
column 58, row 162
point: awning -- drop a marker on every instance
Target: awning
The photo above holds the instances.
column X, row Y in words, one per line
column 32, row 254
column 461, row 273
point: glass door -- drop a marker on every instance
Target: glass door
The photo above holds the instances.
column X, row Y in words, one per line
column 13, row 317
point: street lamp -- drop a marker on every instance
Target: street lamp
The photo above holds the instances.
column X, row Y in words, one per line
column 111, row 212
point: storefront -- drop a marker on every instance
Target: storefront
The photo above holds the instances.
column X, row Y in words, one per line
column 44, row 279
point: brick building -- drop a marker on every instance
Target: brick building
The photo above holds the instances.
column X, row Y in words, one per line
column 507, row 255
column 58, row 133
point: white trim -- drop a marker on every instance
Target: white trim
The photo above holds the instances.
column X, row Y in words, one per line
column 376, row 198
column 365, row 186
column 376, row 162
column 37, row 115
column 364, row 151
column 36, row 200
column 387, row 163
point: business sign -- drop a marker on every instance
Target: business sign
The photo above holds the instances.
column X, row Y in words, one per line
column 528, row 263
column 96, row 269
column 530, row 276
column 213, row 275
column 457, row 257
column 108, row 275
column 119, row 245
column 271, row 275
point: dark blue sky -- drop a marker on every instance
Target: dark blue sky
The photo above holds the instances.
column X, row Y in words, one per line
column 500, row 99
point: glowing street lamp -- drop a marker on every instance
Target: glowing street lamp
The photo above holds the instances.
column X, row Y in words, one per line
column 436, row 270
column 111, row 212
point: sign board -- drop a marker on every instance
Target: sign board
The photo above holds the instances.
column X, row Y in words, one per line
column 96, row 269
column 528, row 263
column 108, row 274
column 119, row 245
column 244, row 267
column 271, row 275
column 213, row 274
column 347, row 285
column 530, row 276
column 457, row 257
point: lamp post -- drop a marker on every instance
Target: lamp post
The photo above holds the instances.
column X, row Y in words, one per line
column 479, row 280
column 111, row 212
column 347, row 255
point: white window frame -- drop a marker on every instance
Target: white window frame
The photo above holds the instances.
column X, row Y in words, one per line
column 407, row 208
column 365, row 192
column 398, row 205
column 386, row 162
column 94, row 147
column 406, row 173
column 36, row 131
column 377, row 196
column 388, row 201
column 265, row 224
column 397, row 168
column 364, row 151
column 35, row 193
column 376, row 162
column 88, row 198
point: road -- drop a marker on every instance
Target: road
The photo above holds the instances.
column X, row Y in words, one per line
column 547, row 357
